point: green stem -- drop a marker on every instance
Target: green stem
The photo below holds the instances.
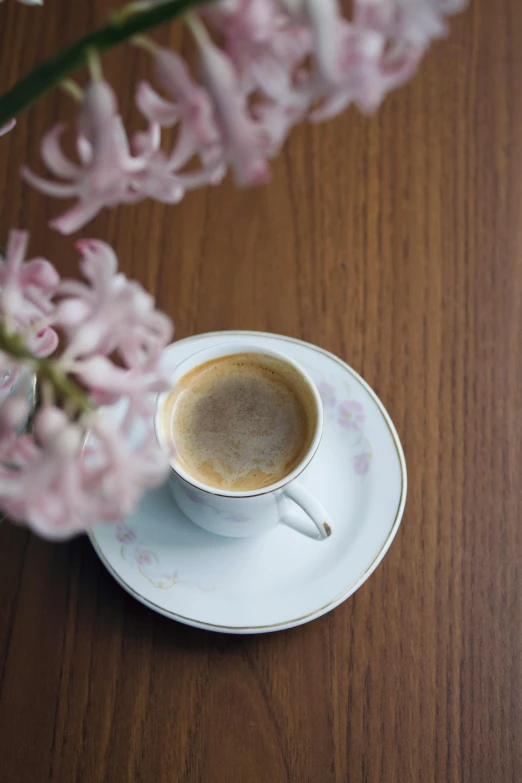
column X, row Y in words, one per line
column 45, row 370
column 72, row 89
column 94, row 64
column 60, row 65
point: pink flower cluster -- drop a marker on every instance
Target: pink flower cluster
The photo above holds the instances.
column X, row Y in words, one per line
column 278, row 62
column 281, row 62
column 75, row 465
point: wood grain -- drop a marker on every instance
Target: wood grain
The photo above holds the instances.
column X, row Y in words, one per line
column 396, row 243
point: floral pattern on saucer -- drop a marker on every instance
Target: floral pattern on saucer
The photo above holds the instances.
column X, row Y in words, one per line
column 342, row 408
column 147, row 562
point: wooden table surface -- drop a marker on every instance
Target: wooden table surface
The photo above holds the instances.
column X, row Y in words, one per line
column 396, row 243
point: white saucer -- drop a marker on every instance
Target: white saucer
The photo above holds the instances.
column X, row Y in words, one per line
column 280, row 579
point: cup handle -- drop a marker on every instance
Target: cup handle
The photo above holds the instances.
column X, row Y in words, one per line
column 310, row 506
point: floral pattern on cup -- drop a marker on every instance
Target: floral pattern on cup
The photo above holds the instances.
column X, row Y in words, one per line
column 147, row 562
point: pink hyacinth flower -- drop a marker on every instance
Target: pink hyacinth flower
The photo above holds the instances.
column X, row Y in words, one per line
column 359, row 77
column 408, row 28
column 267, row 47
column 347, row 60
column 43, row 487
column 51, row 484
column 25, row 286
column 191, row 108
column 361, row 61
column 245, row 143
column 126, row 472
column 108, row 383
column 104, row 175
column 328, row 27
column 198, row 133
column 160, row 180
column 420, row 21
column 109, row 312
column 48, row 480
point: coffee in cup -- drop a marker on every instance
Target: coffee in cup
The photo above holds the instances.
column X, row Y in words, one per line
column 240, row 422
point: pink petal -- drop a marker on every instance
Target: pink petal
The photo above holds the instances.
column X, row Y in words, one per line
column 41, row 273
column 173, row 75
column 84, row 149
column 186, row 146
column 7, row 127
column 165, row 189
column 101, row 373
column 99, row 261
column 147, row 142
column 25, row 448
column 118, row 144
column 277, row 120
column 326, row 20
column 53, row 156
column 154, row 107
column 44, row 343
column 16, row 250
column 206, row 176
column 71, row 311
column 193, row 102
column 14, row 412
column 46, row 186
column 76, row 217
column 49, row 423
column 246, row 142
column 132, row 196
column 99, row 107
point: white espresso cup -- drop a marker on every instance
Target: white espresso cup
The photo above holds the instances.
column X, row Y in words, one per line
column 246, row 513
